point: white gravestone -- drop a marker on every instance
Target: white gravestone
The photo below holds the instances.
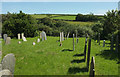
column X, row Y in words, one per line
column 60, row 36
column 5, row 37
column 22, row 35
column 8, row 40
column 8, row 62
column 43, row 35
column 19, row 42
column 18, row 36
column 24, row 39
column 38, row 40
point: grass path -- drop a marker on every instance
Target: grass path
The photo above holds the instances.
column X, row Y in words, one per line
column 48, row 58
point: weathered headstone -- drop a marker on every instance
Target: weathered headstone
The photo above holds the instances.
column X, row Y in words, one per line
column 111, row 47
column 73, row 43
column 43, row 35
column 68, row 35
column 8, row 40
column 8, row 62
column 24, row 39
column 103, row 43
column 117, row 44
column 85, row 49
column 18, row 36
column 5, row 73
column 92, row 67
column 5, row 37
column 88, row 55
column 38, row 40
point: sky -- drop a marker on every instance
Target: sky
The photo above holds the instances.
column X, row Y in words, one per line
column 59, row 7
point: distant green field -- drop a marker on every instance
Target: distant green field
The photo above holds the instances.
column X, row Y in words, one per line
column 81, row 23
column 48, row 58
column 65, row 17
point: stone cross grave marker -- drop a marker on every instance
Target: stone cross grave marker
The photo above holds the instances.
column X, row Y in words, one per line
column 8, row 62
column 85, row 49
column 92, row 67
column 73, row 43
column 43, row 35
column 8, row 40
column 5, row 37
column 103, row 43
column 19, row 36
column 88, row 55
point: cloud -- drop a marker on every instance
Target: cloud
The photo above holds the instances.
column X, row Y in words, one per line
column 60, row 0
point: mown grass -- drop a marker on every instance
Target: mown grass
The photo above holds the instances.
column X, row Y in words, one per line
column 48, row 58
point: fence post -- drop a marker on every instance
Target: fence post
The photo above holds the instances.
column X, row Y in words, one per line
column 85, row 49
column 88, row 55
column 92, row 67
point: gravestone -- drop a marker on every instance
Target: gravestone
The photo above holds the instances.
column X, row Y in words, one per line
column 43, row 35
column 5, row 73
column 19, row 42
column 111, row 47
column 22, row 35
column 85, row 49
column 24, row 39
column 68, row 35
column 73, row 43
column 103, row 43
column 8, row 40
column 8, row 62
column 18, row 36
column 92, row 67
column 38, row 40
column 88, row 55
column 5, row 37
column 62, row 36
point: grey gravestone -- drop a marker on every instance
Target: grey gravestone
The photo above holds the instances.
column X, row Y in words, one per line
column 5, row 73
column 73, row 43
column 18, row 36
column 8, row 62
column 24, row 39
column 88, row 55
column 8, row 40
column 43, row 35
column 5, row 37
column 68, row 35
column 85, row 49
column 92, row 67
column 103, row 43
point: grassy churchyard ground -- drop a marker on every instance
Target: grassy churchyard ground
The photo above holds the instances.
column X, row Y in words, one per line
column 48, row 58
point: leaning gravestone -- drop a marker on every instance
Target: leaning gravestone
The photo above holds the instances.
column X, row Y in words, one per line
column 8, row 40
column 88, row 55
column 92, row 67
column 43, row 35
column 18, row 36
column 8, row 62
column 5, row 37
column 24, row 39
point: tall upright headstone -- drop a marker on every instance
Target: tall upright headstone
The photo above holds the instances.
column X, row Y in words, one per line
column 22, row 35
column 73, row 43
column 103, row 43
column 62, row 36
column 19, row 36
column 8, row 62
column 5, row 37
column 43, row 35
column 92, row 67
column 88, row 55
column 85, row 49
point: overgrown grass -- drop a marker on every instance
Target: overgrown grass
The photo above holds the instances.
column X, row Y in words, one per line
column 48, row 58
